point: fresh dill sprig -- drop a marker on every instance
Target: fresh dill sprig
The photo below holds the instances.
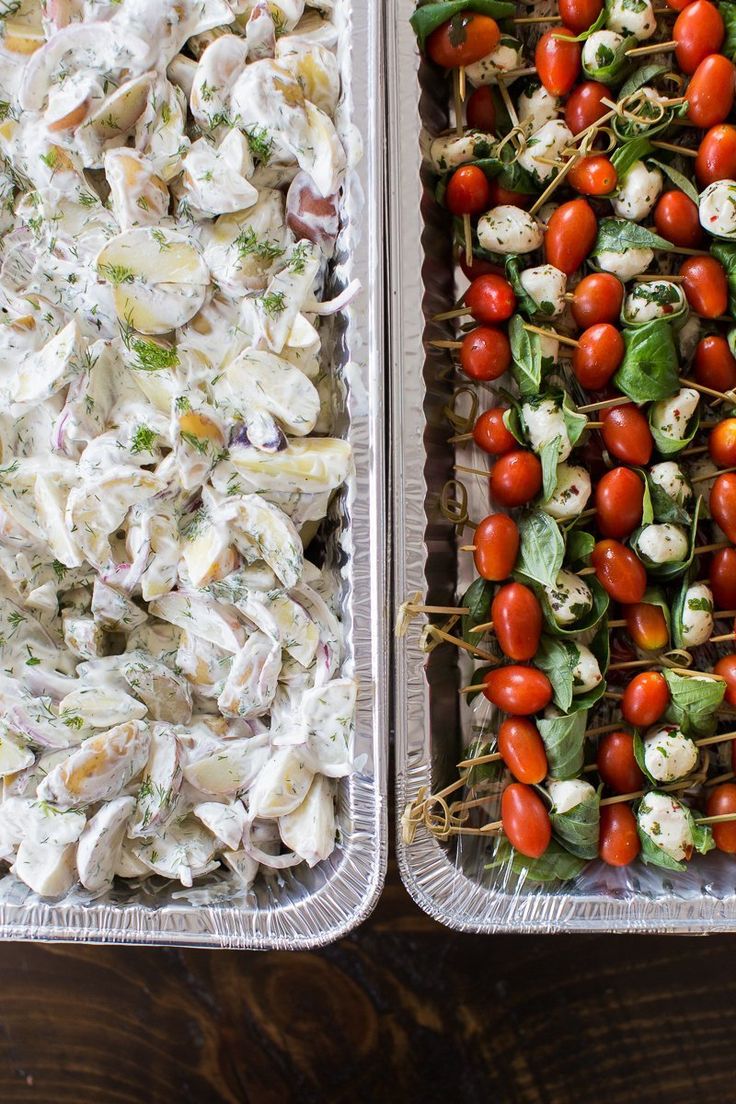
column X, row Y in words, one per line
column 261, row 144
column 143, row 439
column 117, row 274
column 273, row 303
column 248, row 244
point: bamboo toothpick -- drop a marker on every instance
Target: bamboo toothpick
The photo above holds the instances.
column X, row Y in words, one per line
column 562, row 338
column 653, row 48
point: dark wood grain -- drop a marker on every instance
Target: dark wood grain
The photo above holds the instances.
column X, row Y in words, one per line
column 402, row 1010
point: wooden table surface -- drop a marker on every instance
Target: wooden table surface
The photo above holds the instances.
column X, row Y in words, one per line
column 402, row 1010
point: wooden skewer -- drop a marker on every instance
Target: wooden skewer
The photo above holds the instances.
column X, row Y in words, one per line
column 672, row 148
column 653, row 48
column 445, row 316
column 656, row 279
column 459, row 438
column 704, row 549
column 562, row 338
column 481, row 760
column 468, row 689
column 604, row 404
column 413, row 607
column 713, row 475
column 487, row 627
column 697, row 451
column 471, row 471
column 727, row 396
column 445, row 344
column 450, row 639
column 530, row 20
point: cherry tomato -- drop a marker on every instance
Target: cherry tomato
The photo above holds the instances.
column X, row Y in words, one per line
column 516, row 478
column 517, row 621
column 723, row 504
column 578, row 15
column 716, row 158
column 490, row 299
column 721, row 801
column 593, row 176
column 570, row 234
column 496, row 547
column 698, row 31
column 463, row 40
column 617, row 766
column 627, row 435
column 619, row 500
column 619, row 571
column 485, row 353
column 676, row 218
column 478, row 266
column 522, row 749
column 705, row 284
column 525, row 820
column 585, row 105
column 490, row 432
column 722, row 443
column 678, row 5
column 468, row 191
column 647, row 626
column 722, row 576
column 501, row 196
column 557, row 62
column 481, row 110
column 710, row 92
column 516, row 689
column 645, row 699
column 726, row 668
column 715, row 365
column 597, row 298
column 618, row 839
column 599, row 352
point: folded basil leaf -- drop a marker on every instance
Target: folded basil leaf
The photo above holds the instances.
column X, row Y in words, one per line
column 650, row 369
column 512, row 421
column 663, row 507
column 703, row 841
column 589, row 620
column 617, row 235
column 670, row 446
column 652, row 854
column 477, row 598
column 428, row 17
column 564, row 742
column 579, row 546
column 641, row 761
column 629, row 153
column 549, row 454
column 578, row 829
column 558, row 659
column 514, row 176
column 599, row 23
column 526, row 357
column 667, row 297
column 625, row 128
column 575, row 424
column 694, row 703
column 644, row 75
column 555, row 865
column 524, row 301
column 614, row 64
column 541, row 548
column 679, row 567
column 678, row 179
column 725, row 252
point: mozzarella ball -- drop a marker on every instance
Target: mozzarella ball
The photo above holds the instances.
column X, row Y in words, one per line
column 663, row 543
column 653, row 299
column 547, row 142
column 697, row 615
column 586, row 674
column 669, row 754
column 451, row 150
column 597, row 49
column 568, row 795
column 717, row 206
column 505, row 57
column 666, row 822
column 536, row 106
column 638, row 192
column 625, row 265
column 544, row 421
column 570, row 599
column 546, row 285
column 669, row 476
column 570, row 494
column 671, row 416
column 549, row 347
column 509, row 229
column 632, row 17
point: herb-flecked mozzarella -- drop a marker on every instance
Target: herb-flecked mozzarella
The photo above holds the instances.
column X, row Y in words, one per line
column 637, row 192
column 624, row 265
column 586, row 673
column 717, row 207
column 451, row 150
column 670, row 477
column 546, row 285
column 503, row 59
column 666, row 822
column 571, row 493
column 544, row 422
column 632, row 17
column 547, row 143
column 668, row 754
column 536, row 106
column 697, row 615
column 663, row 543
column 599, row 49
column 653, row 299
column 570, row 599
column 568, row 794
column 671, row 416
column 509, row 229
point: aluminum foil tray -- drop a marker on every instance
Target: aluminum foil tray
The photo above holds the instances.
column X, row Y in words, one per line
column 450, row 880
column 304, row 908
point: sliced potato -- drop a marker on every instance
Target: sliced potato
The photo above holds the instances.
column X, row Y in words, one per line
column 99, row 768
column 101, row 842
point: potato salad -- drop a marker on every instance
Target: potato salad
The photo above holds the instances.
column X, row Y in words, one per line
column 173, row 699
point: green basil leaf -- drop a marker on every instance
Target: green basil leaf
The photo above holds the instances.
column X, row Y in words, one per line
column 600, row 22
column 678, row 179
column 617, row 235
column 579, row 546
column 512, row 421
column 428, row 17
column 575, row 424
column 558, row 658
column 644, row 75
column 524, row 301
column 728, row 14
column 725, row 252
column 486, row 772
column 578, row 829
column 652, row 854
column 541, row 548
column 626, row 129
column 672, row 570
column 555, row 865
column 640, row 761
column 614, row 67
column 668, row 446
column 647, row 516
column 629, row 153
column 549, row 454
column 663, row 507
column 650, row 369
column 703, row 841
column 694, row 703
column 478, row 675
column 526, row 357
column 564, row 743
column 477, row 598
column 587, row 621
column 514, row 176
